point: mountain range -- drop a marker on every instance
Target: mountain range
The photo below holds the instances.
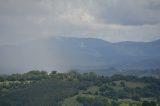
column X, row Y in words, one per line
column 65, row 53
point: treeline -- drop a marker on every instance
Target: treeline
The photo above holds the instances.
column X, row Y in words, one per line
column 36, row 75
column 31, row 75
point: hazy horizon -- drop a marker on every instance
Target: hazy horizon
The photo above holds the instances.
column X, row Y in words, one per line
column 27, row 25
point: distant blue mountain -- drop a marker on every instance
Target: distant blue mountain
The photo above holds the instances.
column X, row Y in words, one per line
column 60, row 53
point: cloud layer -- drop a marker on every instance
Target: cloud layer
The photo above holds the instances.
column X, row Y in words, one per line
column 111, row 20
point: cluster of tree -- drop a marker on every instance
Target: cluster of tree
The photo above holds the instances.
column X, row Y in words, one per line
column 31, row 75
column 93, row 101
column 48, row 89
column 47, row 92
column 146, row 103
column 150, row 90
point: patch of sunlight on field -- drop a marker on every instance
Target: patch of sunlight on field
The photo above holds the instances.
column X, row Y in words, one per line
column 92, row 89
column 148, row 99
column 71, row 102
column 128, row 102
column 131, row 84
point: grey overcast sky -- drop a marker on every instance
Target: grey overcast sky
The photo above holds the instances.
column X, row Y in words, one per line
column 111, row 20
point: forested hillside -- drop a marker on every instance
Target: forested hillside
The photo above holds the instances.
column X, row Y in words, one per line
column 38, row 88
column 79, row 53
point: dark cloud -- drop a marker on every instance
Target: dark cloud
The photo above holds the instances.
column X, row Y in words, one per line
column 131, row 12
column 113, row 20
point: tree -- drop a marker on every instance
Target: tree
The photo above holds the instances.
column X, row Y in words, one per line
column 137, row 98
column 113, row 103
column 146, row 103
column 122, row 84
column 53, row 72
column 1, row 78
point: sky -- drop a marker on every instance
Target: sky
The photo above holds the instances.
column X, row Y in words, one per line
column 110, row 20
column 26, row 21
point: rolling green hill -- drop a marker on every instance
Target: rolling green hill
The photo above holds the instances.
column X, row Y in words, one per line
column 36, row 88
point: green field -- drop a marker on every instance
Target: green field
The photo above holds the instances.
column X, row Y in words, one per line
column 131, row 84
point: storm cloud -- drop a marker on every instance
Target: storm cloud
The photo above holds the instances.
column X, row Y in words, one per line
column 111, row 20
